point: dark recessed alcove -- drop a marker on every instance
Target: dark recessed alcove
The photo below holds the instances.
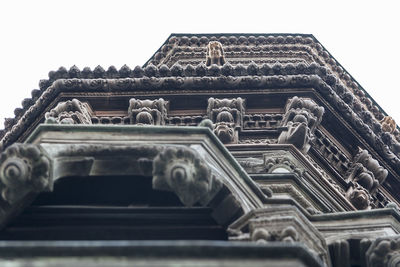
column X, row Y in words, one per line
column 107, row 191
column 111, row 208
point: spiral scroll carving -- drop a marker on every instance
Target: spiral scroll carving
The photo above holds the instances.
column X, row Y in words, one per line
column 182, row 171
column 23, row 168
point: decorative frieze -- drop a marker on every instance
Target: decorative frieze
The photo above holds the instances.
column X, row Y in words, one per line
column 301, row 118
column 70, row 112
column 227, row 115
column 24, row 168
column 148, row 112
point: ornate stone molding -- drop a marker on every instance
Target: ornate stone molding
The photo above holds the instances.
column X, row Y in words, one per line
column 384, row 252
column 226, row 114
column 24, row 168
column 301, row 118
column 182, row 171
column 152, row 112
column 70, row 112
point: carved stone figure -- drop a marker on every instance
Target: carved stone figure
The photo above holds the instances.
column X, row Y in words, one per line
column 384, row 252
column 215, row 54
column 70, row 112
column 226, row 114
column 359, row 197
column 182, row 171
column 367, row 171
column 302, row 116
column 23, row 168
column 388, row 124
column 150, row 112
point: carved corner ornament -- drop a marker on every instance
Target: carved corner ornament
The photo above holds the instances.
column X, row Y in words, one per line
column 181, row 170
column 364, row 177
column 227, row 115
column 24, row 168
column 148, row 112
column 302, row 116
column 388, row 124
column 70, row 112
column 215, row 54
column 384, row 252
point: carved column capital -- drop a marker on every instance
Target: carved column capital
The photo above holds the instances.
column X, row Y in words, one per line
column 70, row 112
column 182, row 171
column 24, row 168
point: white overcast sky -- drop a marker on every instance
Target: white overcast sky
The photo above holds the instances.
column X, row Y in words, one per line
column 39, row 36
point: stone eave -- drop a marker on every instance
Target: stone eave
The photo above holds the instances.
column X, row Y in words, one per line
column 76, row 150
column 244, row 77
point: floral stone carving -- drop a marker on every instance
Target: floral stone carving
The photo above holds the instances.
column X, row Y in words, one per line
column 150, row 112
column 23, row 168
column 182, row 171
column 302, row 116
column 384, row 252
column 69, row 112
column 226, row 114
column 215, row 54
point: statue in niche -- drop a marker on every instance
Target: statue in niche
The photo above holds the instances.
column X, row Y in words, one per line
column 215, row 54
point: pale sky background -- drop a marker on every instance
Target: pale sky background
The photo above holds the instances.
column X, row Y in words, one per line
column 37, row 36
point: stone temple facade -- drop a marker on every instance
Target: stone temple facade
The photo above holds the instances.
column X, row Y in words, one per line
column 239, row 150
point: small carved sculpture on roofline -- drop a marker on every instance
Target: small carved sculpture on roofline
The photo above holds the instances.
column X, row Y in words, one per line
column 215, row 54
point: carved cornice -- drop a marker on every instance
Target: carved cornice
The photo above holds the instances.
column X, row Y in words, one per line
column 275, row 76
